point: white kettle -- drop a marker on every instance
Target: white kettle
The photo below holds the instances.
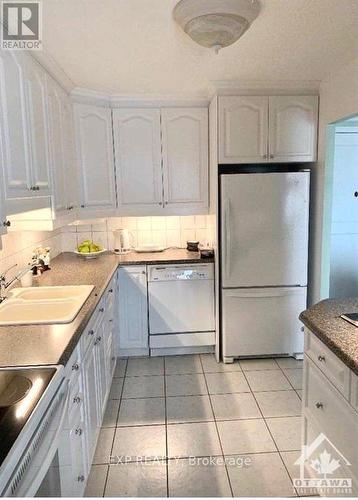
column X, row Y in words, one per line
column 122, row 240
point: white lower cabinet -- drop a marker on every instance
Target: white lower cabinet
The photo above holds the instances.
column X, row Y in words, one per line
column 330, row 421
column 89, row 371
column 133, row 311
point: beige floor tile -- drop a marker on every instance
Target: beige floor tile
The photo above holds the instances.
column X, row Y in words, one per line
column 258, row 364
column 144, row 387
column 110, row 415
column 235, row 406
column 145, row 366
column 295, row 377
column 290, row 457
column 120, row 369
column 137, row 480
column 139, row 443
column 266, row 476
column 245, row 436
column 147, row 411
column 178, row 365
column 279, row 403
column 225, row 383
column 96, row 481
column 189, row 409
column 286, row 432
column 267, row 380
column 195, row 439
column 197, row 478
column 210, row 365
column 104, row 445
column 186, row 385
column 116, row 388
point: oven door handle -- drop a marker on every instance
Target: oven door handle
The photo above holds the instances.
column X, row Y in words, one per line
column 22, row 483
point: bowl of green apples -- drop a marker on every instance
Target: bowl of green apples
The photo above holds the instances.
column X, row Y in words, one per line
column 89, row 250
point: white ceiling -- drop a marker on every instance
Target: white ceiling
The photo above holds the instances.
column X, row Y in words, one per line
column 134, row 46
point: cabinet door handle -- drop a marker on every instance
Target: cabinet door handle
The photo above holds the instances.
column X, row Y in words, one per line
column 264, row 156
column 160, row 203
column 101, row 310
column 319, row 405
column 77, row 400
column 81, row 478
column 75, row 367
column 111, row 290
column 91, row 332
column 78, row 432
column 6, row 223
column 98, row 340
column 272, row 156
column 322, row 359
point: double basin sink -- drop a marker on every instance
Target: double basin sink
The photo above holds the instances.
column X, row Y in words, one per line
column 43, row 305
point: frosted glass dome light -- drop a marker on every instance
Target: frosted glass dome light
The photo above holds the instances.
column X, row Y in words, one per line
column 215, row 23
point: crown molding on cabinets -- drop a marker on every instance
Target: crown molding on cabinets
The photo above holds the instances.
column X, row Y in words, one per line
column 265, row 87
column 88, row 96
column 54, row 69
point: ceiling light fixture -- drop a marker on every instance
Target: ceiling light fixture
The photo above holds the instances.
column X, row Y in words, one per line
column 215, row 23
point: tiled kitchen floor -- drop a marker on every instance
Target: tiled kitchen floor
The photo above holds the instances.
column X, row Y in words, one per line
column 163, row 411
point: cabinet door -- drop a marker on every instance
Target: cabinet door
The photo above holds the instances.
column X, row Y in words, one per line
column 17, row 181
column 92, row 417
column 36, row 111
column 3, row 226
column 243, row 129
column 185, row 157
column 95, row 156
column 55, row 103
column 72, row 194
column 293, row 128
column 138, row 159
column 100, row 346
column 133, row 308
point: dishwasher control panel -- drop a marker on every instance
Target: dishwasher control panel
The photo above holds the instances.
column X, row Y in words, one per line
column 181, row 273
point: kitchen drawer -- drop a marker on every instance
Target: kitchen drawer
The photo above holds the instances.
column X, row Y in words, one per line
column 331, row 413
column 182, row 340
column 92, row 329
column 354, row 391
column 76, row 401
column 334, row 369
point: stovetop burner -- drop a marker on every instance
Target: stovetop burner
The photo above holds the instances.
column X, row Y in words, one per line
column 13, row 388
column 20, row 391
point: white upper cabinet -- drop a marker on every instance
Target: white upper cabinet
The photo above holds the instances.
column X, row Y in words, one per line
column 261, row 129
column 56, row 98
column 72, row 194
column 243, row 129
column 95, row 156
column 36, row 112
column 17, row 175
column 185, row 157
column 137, row 149
column 293, row 128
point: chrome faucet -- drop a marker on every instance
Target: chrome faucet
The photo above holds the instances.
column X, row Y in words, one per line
column 4, row 285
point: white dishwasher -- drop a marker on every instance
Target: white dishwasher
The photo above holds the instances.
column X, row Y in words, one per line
column 181, row 305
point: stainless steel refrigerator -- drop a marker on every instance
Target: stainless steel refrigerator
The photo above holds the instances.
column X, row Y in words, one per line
column 264, row 254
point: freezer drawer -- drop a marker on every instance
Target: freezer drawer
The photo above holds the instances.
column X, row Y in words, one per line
column 262, row 321
column 181, row 306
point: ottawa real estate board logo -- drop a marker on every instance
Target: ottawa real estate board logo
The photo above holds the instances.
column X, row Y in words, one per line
column 21, row 25
column 324, row 470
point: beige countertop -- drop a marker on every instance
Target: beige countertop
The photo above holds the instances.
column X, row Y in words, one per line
column 30, row 345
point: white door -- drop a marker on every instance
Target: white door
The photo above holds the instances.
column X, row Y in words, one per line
column 14, row 132
column 59, row 179
column 72, row 194
column 95, row 156
column 185, row 157
column 133, row 308
column 137, row 146
column 243, row 129
column 262, row 321
column 293, row 128
column 37, row 116
column 264, row 237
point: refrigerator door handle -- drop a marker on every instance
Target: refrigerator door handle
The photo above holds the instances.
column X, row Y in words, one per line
column 227, row 213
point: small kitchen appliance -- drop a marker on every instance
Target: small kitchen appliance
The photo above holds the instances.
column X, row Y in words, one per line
column 122, row 241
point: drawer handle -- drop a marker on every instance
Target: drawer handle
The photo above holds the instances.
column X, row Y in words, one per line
column 101, row 310
column 75, row 367
column 81, row 478
column 77, row 399
column 111, row 290
column 91, row 332
column 98, row 340
column 78, row 432
column 319, row 406
column 322, row 359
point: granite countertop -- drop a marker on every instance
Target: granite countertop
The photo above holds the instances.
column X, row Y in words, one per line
column 30, row 345
column 323, row 319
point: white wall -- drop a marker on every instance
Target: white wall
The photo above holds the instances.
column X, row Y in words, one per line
column 338, row 99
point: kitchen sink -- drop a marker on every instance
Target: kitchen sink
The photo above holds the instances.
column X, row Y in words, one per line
column 43, row 305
